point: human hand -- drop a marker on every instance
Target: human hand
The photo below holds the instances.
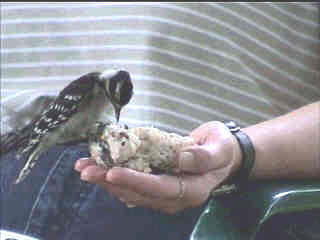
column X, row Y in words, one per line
column 202, row 168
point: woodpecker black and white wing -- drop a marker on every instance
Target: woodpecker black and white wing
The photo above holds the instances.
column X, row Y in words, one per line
column 61, row 110
column 57, row 114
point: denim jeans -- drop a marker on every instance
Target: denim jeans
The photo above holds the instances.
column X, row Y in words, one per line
column 53, row 203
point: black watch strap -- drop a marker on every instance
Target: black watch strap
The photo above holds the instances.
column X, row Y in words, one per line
column 248, row 154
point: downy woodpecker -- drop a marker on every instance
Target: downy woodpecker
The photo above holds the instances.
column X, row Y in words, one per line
column 75, row 110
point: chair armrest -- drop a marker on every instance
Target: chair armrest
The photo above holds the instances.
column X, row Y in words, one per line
column 241, row 214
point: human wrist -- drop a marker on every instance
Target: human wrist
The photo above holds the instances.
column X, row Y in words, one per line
column 244, row 154
column 237, row 155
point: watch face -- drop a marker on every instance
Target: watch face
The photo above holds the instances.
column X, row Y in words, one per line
column 8, row 235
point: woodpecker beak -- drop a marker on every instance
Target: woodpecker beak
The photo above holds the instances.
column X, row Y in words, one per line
column 117, row 110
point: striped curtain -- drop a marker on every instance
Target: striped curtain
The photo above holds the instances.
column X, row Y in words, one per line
column 190, row 62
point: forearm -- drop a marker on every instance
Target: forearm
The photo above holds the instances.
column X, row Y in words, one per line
column 288, row 146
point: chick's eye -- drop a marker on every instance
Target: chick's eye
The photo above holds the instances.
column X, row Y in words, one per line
column 123, row 143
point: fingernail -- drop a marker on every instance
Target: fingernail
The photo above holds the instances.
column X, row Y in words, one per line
column 84, row 176
column 186, row 160
column 77, row 167
column 78, row 163
column 109, row 176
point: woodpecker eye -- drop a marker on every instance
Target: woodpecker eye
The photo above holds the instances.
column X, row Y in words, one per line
column 126, row 92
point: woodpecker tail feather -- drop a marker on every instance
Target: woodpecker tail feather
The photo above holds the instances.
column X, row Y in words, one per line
column 32, row 152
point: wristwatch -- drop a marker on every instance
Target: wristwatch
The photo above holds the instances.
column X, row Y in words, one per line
column 248, row 154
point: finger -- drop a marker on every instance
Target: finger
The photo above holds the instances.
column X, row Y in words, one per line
column 96, row 174
column 128, row 196
column 93, row 174
column 83, row 163
column 209, row 132
column 131, row 198
column 196, row 191
column 154, row 186
column 203, row 130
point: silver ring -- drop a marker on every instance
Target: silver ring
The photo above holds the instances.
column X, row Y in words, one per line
column 129, row 205
column 182, row 188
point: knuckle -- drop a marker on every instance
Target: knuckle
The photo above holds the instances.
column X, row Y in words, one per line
column 202, row 159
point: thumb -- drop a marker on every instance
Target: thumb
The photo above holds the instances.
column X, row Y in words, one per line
column 198, row 159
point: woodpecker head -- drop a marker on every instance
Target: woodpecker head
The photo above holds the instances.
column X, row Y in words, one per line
column 118, row 87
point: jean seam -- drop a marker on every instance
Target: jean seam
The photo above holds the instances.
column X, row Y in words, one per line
column 36, row 202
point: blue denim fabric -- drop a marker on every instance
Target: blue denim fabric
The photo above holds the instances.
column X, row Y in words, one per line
column 53, row 203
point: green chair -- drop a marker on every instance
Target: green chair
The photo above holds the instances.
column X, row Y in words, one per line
column 241, row 215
